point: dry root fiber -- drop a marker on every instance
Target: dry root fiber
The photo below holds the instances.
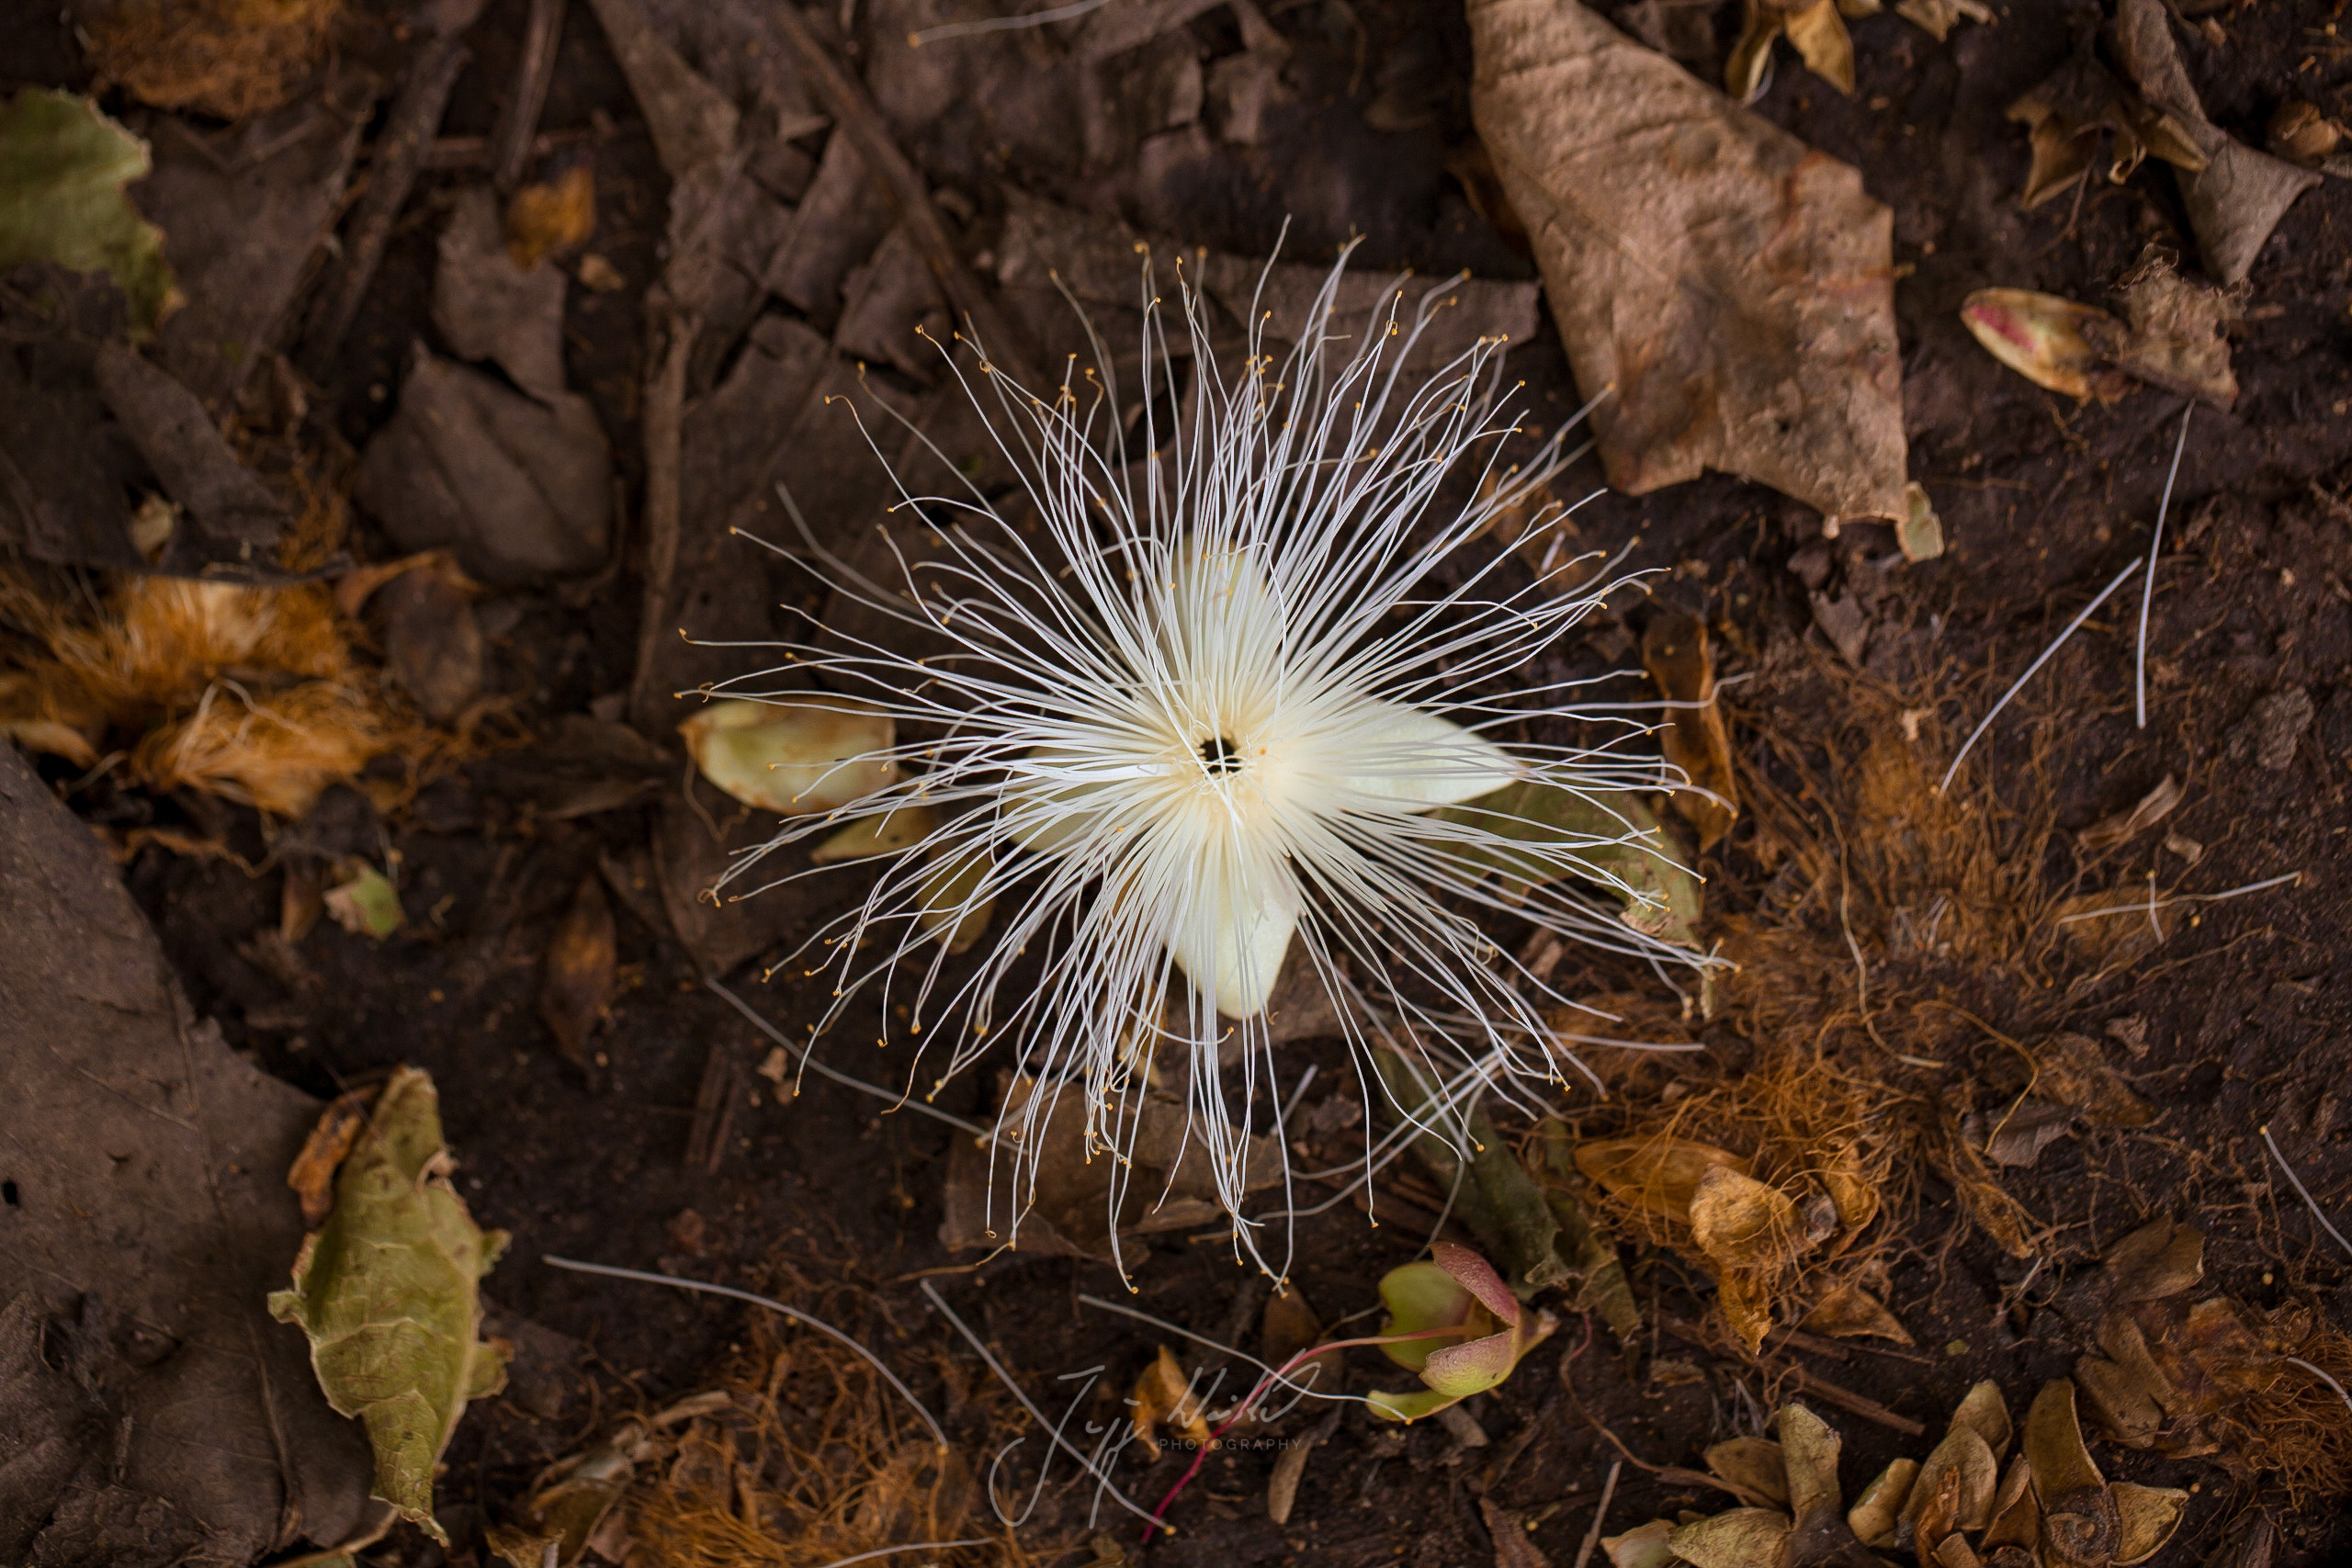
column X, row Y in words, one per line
column 1889, row 916
column 232, row 59
column 250, row 694
column 809, row 1459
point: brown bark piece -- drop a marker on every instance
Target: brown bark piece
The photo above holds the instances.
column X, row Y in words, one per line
column 1734, row 286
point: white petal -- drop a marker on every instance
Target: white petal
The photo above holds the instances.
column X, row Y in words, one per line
column 1234, row 946
column 1420, row 761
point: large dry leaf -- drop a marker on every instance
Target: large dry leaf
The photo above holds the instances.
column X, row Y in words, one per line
column 1734, row 287
column 388, row 1291
column 1741, row 1223
column 150, row 1413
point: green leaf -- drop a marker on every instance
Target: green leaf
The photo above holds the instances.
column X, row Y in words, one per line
column 1419, row 1297
column 387, row 1291
column 366, row 903
column 1608, row 837
column 62, row 167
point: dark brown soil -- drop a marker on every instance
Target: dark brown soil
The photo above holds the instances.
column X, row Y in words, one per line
column 2245, row 1005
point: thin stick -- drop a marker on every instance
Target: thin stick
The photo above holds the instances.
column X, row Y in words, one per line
column 518, row 123
column 2309, row 1201
column 809, row 1063
column 665, row 400
column 706, row 1288
column 2080, row 618
column 845, row 97
column 409, row 126
column 2155, row 551
column 1034, row 1413
column 1600, row 1514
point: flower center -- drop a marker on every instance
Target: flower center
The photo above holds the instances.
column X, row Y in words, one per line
column 1220, row 756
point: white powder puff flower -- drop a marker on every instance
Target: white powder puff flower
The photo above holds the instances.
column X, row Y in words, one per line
column 1202, row 703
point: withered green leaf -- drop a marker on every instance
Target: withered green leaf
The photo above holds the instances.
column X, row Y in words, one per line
column 387, row 1291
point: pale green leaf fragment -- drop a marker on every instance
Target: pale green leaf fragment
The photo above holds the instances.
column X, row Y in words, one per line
column 388, row 1291
column 63, row 168
column 1608, row 837
column 366, row 904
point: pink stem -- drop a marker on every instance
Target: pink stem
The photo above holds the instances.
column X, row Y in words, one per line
column 1267, row 1382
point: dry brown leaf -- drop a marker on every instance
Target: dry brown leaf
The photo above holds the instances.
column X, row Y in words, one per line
column 1956, row 1485
column 1734, row 287
column 1872, row 1518
column 547, row 219
column 2074, row 1072
column 2124, row 826
column 1741, row 1223
column 1743, row 1537
column 1163, row 1397
column 577, row 980
column 313, row 1173
column 1675, row 652
column 2064, row 114
column 1820, row 37
column 1658, row 1176
column 1848, row 1312
column 1938, row 18
column 1753, row 1465
column 2238, row 197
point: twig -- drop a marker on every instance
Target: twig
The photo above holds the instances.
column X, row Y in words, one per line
column 794, row 1313
column 1600, row 1514
column 845, row 97
column 511, row 140
column 1034, row 1413
column 2156, row 552
column 665, row 404
column 2305, row 1193
column 391, row 173
column 2084, row 615
column 1807, row 1382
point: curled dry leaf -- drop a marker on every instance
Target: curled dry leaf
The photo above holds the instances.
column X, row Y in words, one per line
column 388, row 1291
column 1741, row 1223
column 1164, row 1397
column 576, row 981
column 1755, row 1468
column 793, row 756
column 1730, row 287
column 2239, row 196
column 2065, row 115
column 1955, row 1485
column 2124, row 826
column 1938, row 18
column 312, row 1176
column 433, row 646
column 1743, row 1537
column 1659, row 1175
column 1676, row 653
column 1983, row 1411
column 1645, row 1546
column 1849, row 1311
column 1872, row 1518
